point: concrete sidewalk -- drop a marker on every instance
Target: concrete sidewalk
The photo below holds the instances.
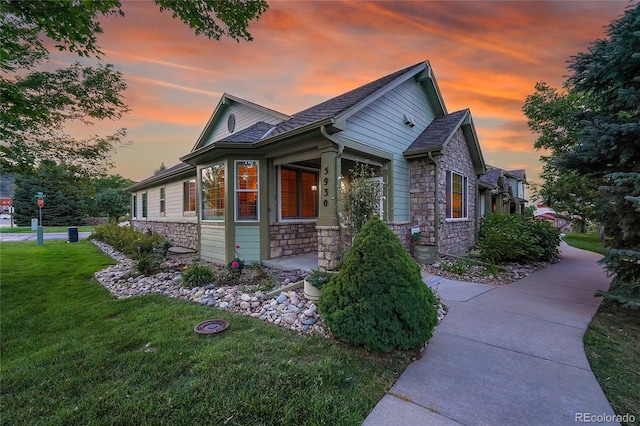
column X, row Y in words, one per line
column 31, row 236
column 506, row 355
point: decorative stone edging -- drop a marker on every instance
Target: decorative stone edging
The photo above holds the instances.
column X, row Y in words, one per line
column 289, row 309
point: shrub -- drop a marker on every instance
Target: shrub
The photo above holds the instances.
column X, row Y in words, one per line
column 361, row 199
column 378, row 298
column 516, row 238
column 129, row 241
column 197, row 275
column 146, row 263
column 318, row 278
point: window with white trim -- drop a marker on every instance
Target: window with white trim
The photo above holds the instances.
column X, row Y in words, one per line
column 189, row 196
column 134, row 207
column 213, row 191
column 162, row 201
column 247, row 191
column 456, row 196
column 144, row 204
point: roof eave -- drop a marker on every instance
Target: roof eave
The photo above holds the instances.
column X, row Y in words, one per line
column 154, row 180
column 189, row 158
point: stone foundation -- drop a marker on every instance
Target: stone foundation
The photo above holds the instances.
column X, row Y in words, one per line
column 292, row 238
column 181, row 234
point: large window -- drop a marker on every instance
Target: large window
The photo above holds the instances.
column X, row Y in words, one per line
column 247, row 199
column 213, row 192
column 189, row 196
column 456, row 196
column 298, row 193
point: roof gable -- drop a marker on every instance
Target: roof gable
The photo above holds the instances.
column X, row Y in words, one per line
column 249, row 114
column 436, row 136
column 339, row 108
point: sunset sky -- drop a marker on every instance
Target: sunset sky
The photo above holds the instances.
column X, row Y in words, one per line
column 486, row 55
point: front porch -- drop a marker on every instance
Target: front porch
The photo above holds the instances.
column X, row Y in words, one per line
column 305, row 262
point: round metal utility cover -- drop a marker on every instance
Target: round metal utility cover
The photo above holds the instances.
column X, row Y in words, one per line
column 211, row 326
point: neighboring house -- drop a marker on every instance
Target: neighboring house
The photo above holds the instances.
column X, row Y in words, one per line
column 502, row 191
column 546, row 213
column 271, row 182
column 7, row 189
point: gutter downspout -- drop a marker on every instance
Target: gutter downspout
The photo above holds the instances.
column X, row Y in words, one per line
column 436, row 216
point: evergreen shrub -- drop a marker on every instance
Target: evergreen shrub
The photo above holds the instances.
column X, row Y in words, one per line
column 516, row 238
column 378, row 298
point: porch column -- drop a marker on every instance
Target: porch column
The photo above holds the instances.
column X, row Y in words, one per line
column 328, row 214
column 328, row 225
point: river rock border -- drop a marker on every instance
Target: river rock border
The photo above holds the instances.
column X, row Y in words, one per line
column 289, row 309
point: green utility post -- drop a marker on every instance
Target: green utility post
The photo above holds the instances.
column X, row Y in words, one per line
column 40, row 232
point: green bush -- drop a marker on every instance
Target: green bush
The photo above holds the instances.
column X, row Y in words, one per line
column 197, row 275
column 378, row 298
column 147, row 263
column 128, row 241
column 516, row 238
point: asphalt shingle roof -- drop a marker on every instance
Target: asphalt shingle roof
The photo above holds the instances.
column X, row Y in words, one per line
column 337, row 105
column 437, row 132
column 250, row 134
column 491, row 176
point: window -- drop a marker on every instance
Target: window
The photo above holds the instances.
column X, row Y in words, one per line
column 298, row 193
column 456, row 196
column 134, row 203
column 144, row 205
column 162, row 201
column 189, row 196
column 247, row 205
column 213, row 192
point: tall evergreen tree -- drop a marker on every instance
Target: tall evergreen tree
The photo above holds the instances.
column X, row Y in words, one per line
column 607, row 148
column 64, row 204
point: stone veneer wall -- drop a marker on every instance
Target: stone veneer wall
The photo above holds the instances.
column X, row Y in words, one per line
column 181, row 234
column 403, row 231
column 422, row 199
column 292, row 238
column 454, row 237
column 328, row 247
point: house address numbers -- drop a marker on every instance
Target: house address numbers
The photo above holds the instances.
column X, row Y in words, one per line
column 325, row 190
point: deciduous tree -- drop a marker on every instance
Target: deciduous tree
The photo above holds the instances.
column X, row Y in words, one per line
column 37, row 102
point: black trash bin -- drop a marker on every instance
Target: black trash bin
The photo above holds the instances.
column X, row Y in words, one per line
column 73, row 234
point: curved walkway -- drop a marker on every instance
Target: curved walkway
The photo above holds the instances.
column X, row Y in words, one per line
column 506, row 355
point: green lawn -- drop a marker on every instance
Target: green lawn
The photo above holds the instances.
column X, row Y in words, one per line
column 590, row 242
column 72, row 354
column 612, row 344
column 46, row 229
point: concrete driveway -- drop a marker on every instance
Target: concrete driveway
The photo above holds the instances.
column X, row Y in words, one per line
column 507, row 355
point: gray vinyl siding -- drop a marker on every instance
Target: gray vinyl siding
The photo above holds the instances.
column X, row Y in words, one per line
column 381, row 125
column 248, row 238
column 212, row 240
column 173, row 203
column 245, row 117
